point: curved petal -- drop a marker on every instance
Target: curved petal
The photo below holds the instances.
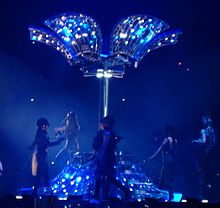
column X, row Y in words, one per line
column 50, row 39
column 80, row 32
column 134, row 36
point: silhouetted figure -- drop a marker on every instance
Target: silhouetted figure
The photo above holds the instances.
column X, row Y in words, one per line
column 104, row 145
column 204, row 162
column 40, row 159
column 168, row 170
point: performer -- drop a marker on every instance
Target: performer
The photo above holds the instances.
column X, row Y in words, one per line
column 104, row 145
column 168, row 150
column 204, row 162
column 39, row 160
column 71, row 133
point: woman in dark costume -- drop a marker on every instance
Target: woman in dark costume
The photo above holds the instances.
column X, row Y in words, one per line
column 40, row 159
column 168, row 150
column 204, row 163
column 104, row 145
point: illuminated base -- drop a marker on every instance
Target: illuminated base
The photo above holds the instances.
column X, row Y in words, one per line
column 78, row 180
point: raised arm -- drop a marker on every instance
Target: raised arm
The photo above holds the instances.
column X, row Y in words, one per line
column 159, row 149
column 202, row 139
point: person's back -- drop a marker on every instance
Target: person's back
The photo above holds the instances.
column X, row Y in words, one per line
column 106, row 150
column 169, row 153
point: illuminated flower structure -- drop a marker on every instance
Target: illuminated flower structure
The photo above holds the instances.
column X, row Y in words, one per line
column 78, row 37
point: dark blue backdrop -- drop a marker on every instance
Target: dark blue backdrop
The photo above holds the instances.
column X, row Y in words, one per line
column 158, row 93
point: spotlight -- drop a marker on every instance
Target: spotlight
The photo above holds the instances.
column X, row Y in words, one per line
column 62, row 198
column 99, row 75
column 19, row 197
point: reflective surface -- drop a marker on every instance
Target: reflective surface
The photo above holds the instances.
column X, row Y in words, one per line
column 78, row 37
column 78, row 179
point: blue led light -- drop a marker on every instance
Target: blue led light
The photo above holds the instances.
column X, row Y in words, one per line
column 34, row 38
column 67, row 32
column 140, row 31
column 78, row 179
column 142, row 40
column 67, row 175
column 85, row 25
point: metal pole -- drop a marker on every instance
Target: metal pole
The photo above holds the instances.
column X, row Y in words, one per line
column 105, row 96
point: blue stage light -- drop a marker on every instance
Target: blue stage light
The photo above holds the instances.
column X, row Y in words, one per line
column 177, row 197
column 67, row 175
column 78, row 179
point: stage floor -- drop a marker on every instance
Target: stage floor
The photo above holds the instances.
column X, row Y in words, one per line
column 53, row 202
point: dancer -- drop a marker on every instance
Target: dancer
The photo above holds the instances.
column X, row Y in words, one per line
column 204, row 163
column 104, row 145
column 71, row 133
column 168, row 150
column 40, row 160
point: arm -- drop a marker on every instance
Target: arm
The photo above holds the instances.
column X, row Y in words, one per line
column 55, row 143
column 34, row 143
column 96, row 142
column 77, row 122
column 159, row 149
column 202, row 139
column 43, row 141
column 32, row 146
column 96, row 146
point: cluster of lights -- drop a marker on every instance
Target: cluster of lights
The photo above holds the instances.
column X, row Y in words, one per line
column 102, row 73
column 72, row 181
column 138, row 183
column 78, row 37
column 79, row 180
column 138, row 35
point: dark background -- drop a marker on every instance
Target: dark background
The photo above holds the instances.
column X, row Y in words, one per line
column 158, row 93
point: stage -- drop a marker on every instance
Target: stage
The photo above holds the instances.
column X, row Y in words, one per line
column 54, row 202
